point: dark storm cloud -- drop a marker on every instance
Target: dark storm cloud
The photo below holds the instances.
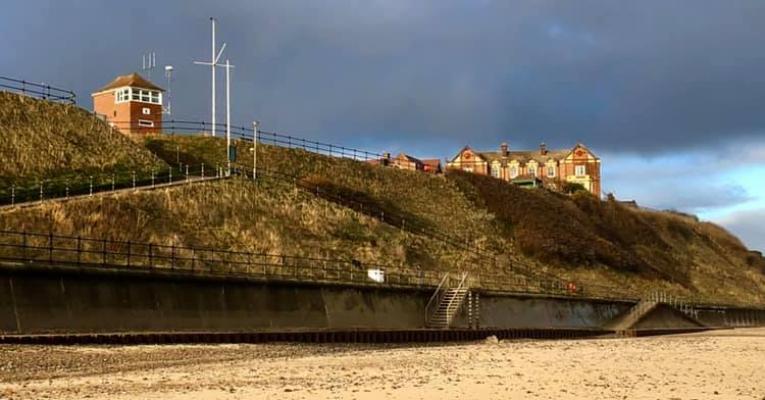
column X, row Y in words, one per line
column 643, row 76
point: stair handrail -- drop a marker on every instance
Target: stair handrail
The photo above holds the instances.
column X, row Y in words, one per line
column 436, row 295
column 450, row 313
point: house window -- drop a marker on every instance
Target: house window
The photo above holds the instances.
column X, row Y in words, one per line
column 469, row 169
column 513, row 171
column 532, row 170
column 495, row 170
column 550, row 171
column 145, row 123
column 580, row 170
column 122, row 95
column 146, row 111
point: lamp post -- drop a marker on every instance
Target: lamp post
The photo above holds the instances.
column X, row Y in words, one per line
column 254, row 149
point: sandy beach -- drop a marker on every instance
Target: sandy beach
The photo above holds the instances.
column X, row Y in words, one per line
column 726, row 364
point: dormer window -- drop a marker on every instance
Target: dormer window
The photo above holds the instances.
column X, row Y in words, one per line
column 495, row 170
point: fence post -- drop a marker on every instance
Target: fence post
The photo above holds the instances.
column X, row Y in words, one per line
column 13, row 194
column 113, row 182
column 133, row 179
column 24, row 245
column 103, row 252
column 152, row 178
column 66, row 189
column 91, row 186
column 203, row 170
column 79, row 249
column 187, row 172
column 41, row 191
column 170, row 174
column 50, row 247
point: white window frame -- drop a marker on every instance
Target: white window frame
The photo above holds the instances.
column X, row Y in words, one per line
column 495, row 170
column 146, row 111
column 531, row 169
column 125, row 94
column 144, row 123
column 513, row 171
column 580, row 170
column 551, row 171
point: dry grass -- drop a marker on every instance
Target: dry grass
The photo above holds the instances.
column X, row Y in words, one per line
column 45, row 140
column 583, row 233
column 578, row 237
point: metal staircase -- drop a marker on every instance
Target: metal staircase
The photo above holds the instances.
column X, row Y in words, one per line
column 634, row 315
column 446, row 302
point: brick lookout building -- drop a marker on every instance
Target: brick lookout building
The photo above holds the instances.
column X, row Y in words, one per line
column 131, row 104
column 534, row 168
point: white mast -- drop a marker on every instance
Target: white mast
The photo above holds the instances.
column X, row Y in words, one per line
column 228, row 113
column 213, row 63
column 212, row 69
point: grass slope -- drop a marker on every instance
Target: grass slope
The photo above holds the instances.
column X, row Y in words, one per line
column 577, row 237
column 57, row 142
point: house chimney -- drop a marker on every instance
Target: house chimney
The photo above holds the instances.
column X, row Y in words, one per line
column 503, row 148
column 543, row 149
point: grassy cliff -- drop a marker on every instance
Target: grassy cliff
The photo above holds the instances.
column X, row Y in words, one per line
column 313, row 205
column 41, row 140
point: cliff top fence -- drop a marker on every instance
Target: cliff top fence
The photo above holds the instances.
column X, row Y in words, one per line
column 59, row 250
column 240, row 132
column 37, row 90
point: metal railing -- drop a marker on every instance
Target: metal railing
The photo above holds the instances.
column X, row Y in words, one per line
column 37, row 90
column 106, row 182
column 55, row 249
column 245, row 133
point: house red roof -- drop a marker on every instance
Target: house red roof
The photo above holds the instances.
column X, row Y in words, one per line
column 132, row 80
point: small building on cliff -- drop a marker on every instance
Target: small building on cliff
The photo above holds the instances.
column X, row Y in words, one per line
column 131, row 104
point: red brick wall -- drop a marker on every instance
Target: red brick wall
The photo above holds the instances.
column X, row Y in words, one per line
column 125, row 116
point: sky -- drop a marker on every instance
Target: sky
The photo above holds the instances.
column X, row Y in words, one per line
column 670, row 94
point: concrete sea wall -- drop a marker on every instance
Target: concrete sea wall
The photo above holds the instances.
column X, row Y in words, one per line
column 40, row 300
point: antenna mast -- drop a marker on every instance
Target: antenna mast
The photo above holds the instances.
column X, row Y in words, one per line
column 148, row 62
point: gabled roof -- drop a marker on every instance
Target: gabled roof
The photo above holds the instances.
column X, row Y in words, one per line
column 132, row 80
column 479, row 155
column 409, row 158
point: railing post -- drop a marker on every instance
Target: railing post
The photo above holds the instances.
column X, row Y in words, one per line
column 103, row 252
column 79, row 250
column 50, row 247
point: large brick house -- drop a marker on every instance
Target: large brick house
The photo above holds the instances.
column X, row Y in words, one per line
column 543, row 167
column 131, row 104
